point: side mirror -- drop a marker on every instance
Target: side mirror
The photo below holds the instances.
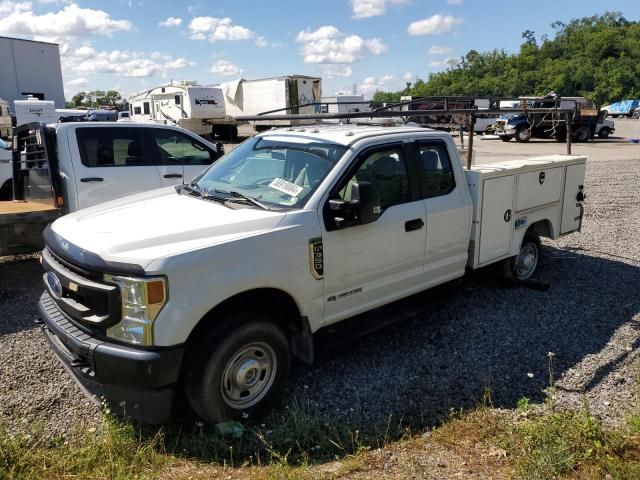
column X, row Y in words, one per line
column 364, row 206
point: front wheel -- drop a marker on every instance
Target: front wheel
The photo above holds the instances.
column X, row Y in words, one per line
column 604, row 132
column 520, row 268
column 236, row 372
column 523, row 135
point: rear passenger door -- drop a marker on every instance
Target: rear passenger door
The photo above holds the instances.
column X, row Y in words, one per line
column 448, row 211
column 113, row 164
column 179, row 156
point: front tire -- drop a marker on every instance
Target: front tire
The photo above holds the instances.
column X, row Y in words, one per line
column 523, row 135
column 520, row 268
column 237, row 368
column 604, row 132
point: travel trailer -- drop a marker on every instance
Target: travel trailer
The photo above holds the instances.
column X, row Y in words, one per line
column 35, row 110
column 253, row 97
column 199, row 109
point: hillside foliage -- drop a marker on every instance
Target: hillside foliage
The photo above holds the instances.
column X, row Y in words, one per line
column 597, row 57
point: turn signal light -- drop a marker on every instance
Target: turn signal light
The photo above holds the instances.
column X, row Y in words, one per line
column 155, row 292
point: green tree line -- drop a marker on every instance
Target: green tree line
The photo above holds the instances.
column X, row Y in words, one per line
column 597, row 57
column 95, row 99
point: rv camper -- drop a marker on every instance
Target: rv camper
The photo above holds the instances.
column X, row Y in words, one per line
column 199, row 109
column 253, row 97
column 34, row 110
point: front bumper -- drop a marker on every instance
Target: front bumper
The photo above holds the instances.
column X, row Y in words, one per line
column 137, row 384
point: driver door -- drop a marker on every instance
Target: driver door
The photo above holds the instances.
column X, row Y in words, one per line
column 366, row 266
column 179, row 157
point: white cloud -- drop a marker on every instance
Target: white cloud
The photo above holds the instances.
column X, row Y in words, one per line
column 328, row 45
column 440, row 64
column 89, row 61
column 171, row 22
column 214, row 29
column 77, row 82
column 434, row 25
column 439, row 50
column 72, row 21
column 408, row 77
column 261, row 42
column 371, row 8
column 371, row 85
column 454, row 2
column 225, row 68
column 333, row 71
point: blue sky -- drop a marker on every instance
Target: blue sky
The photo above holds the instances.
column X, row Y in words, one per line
column 375, row 44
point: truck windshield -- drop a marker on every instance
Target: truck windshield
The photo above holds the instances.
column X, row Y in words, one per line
column 279, row 172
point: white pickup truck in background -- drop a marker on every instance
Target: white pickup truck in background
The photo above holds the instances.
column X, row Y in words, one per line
column 210, row 288
column 64, row 167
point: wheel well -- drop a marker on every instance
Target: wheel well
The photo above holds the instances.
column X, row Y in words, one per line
column 278, row 305
column 543, row 228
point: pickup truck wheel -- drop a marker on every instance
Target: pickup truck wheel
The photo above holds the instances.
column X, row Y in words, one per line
column 523, row 135
column 236, row 372
column 520, row 268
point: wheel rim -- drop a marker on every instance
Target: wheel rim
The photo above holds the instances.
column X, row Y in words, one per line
column 527, row 261
column 248, row 376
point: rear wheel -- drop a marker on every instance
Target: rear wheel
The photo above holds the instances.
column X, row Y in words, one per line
column 582, row 134
column 520, row 268
column 233, row 372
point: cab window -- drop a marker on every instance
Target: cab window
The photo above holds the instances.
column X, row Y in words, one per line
column 176, row 148
column 110, row 147
column 387, row 171
column 434, row 168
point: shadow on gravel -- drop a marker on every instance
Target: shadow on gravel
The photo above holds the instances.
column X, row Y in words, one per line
column 20, row 288
column 451, row 344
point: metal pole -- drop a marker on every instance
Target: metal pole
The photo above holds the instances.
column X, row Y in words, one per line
column 471, row 119
column 567, row 121
column 461, row 132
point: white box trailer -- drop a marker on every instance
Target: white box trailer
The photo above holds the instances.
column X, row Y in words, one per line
column 35, row 110
column 197, row 108
column 252, row 97
column 344, row 104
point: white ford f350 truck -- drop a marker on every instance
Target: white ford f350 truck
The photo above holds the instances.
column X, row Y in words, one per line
column 209, row 289
column 60, row 168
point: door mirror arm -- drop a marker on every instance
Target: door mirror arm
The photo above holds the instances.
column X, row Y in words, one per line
column 364, row 206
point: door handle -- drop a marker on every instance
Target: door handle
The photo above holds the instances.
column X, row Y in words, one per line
column 415, row 224
column 91, row 179
column 173, row 175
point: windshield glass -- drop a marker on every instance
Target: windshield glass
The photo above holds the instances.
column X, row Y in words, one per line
column 280, row 172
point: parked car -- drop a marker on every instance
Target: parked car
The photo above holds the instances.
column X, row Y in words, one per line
column 90, row 164
column 210, row 289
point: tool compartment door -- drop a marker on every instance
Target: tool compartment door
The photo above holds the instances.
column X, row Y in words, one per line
column 497, row 218
column 571, row 208
column 539, row 187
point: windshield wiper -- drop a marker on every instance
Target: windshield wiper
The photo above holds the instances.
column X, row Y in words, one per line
column 241, row 196
column 195, row 188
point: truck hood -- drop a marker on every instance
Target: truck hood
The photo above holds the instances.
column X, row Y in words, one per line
column 138, row 229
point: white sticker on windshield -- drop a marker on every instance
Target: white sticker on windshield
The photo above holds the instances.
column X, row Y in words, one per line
column 286, row 187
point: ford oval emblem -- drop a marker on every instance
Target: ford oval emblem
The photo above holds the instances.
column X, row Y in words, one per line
column 54, row 284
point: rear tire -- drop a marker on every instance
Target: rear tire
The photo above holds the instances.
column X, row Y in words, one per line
column 520, row 268
column 582, row 134
column 237, row 368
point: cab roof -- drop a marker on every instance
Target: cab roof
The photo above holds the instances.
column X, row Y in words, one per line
column 344, row 134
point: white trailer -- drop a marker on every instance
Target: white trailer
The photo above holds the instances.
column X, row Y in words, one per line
column 199, row 109
column 34, row 110
column 252, row 97
column 344, row 104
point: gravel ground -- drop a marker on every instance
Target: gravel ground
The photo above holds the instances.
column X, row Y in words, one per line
column 461, row 338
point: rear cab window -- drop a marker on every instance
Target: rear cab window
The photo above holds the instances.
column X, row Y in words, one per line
column 110, row 147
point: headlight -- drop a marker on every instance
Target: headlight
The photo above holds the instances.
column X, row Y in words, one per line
column 142, row 300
